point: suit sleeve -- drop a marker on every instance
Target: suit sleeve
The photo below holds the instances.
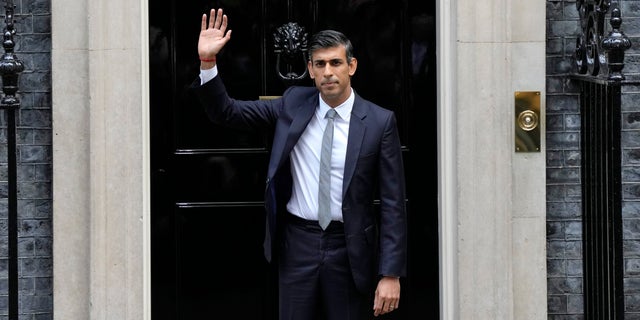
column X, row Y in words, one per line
column 393, row 215
column 240, row 114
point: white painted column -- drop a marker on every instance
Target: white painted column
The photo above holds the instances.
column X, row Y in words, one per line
column 528, row 72
column 492, row 199
column 100, row 160
column 71, row 153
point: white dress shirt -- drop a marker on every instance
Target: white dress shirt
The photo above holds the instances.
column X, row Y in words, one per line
column 305, row 162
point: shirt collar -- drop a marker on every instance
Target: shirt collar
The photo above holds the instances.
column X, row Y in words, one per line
column 343, row 110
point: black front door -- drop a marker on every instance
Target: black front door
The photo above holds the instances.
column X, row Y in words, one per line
column 208, row 182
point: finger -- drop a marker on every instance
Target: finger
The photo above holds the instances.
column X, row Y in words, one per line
column 223, row 25
column 218, row 19
column 383, row 308
column 377, row 309
column 203, row 24
column 212, row 17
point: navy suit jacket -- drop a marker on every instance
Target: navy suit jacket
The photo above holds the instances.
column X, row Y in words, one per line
column 376, row 239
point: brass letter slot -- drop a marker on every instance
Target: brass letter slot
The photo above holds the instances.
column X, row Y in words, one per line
column 527, row 135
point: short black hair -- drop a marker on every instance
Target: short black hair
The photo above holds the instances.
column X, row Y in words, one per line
column 330, row 39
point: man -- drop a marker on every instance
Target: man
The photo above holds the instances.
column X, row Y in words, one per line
column 325, row 271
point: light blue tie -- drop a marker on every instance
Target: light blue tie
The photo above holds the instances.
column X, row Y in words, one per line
column 324, row 184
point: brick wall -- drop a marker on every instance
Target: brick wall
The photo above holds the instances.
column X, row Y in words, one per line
column 564, row 227
column 630, row 143
column 34, row 150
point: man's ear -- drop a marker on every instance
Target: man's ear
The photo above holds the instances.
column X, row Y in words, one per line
column 309, row 67
column 353, row 65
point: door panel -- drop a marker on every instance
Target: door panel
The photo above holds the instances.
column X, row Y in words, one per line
column 219, row 176
column 208, row 181
column 225, row 276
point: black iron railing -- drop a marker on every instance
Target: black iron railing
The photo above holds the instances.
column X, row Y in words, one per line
column 599, row 64
column 601, row 200
column 10, row 68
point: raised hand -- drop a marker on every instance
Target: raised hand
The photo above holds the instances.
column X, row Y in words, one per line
column 213, row 35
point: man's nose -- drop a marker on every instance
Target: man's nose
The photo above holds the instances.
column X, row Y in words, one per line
column 327, row 71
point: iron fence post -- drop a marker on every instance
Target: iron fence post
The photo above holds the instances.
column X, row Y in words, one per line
column 10, row 68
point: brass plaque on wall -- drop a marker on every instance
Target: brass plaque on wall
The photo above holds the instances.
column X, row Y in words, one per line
column 527, row 117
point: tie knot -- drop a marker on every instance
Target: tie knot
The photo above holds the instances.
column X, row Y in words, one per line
column 331, row 114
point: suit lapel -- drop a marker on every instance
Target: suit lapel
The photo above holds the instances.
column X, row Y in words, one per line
column 300, row 122
column 301, row 118
column 357, row 129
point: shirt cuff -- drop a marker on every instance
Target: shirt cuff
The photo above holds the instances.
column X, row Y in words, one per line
column 208, row 74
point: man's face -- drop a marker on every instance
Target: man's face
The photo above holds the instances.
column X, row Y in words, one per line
column 332, row 73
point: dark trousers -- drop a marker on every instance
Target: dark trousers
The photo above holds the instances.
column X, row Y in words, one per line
column 315, row 279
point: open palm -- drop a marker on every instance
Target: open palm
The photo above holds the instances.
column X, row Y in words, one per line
column 213, row 34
